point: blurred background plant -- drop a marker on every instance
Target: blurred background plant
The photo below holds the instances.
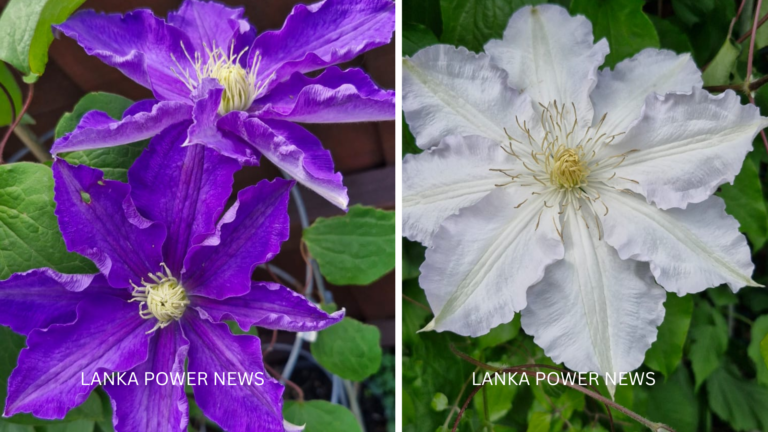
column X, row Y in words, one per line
column 711, row 355
column 335, row 378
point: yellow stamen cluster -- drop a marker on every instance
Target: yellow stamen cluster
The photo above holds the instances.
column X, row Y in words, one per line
column 569, row 168
column 165, row 299
column 241, row 87
column 564, row 159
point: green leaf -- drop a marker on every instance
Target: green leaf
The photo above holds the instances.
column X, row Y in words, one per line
column 7, row 81
column 413, row 256
column 708, row 35
column 29, row 232
column 25, row 32
column 424, row 12
column 622, row 22
column 719, row 70
column 76, row 426
column 472, row 23
column 349, row 349
column 414, row 317
column 674, row 403
column 355, row 249
column 114, row 161
column 722, row 296
column 736, row 401
column 235, row 329
column 539, row 422
column 11, row 427
column 500, row 334
column 692, row 11
column 416, row 37
column 499, row 398
column 10, row 346
column 761, row 35
column 764, row 350
column 671, row 36
column 744, row 201
column 320, row 416
column 708, row 345
column 665, row 354
column 409, row 142
column 759, row 333
column 439, row 402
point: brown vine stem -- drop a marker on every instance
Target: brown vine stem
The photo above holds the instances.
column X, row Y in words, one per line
column 291, row 384
column 736, row 18
column 754, row 85
column 455, row 405
column 656, row 427
column 746, row 36
column 17, row 120
column 482, row 365
column 417, row 303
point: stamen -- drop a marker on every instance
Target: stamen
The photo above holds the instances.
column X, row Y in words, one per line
column 241, row 87
column 165, row 299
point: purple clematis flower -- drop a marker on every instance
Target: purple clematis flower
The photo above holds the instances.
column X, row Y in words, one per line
column 169, row 276
column 242, row 92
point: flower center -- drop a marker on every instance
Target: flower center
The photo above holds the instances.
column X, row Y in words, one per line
column 568, row 168
column 241, row 87
column 165, row 299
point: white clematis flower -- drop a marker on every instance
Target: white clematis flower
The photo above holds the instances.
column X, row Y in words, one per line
column 568, row 193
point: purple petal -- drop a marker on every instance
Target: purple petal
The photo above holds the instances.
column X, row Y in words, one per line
column 98, row 130
column 185, row 188
column 216, row 352
column 153, row 406
column 207, row 98
column 249, row 234
column 99, row 220
column 108, row 336
column 294, row 150
column 324, row 34
column 40, row 298
column 333, row 97
column 138, row 43
column 271, row 306
column 209, row 24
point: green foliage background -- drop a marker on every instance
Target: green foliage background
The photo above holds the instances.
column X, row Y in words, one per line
column 711, row 356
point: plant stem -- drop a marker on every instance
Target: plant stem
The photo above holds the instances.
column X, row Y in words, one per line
column 736, row 18
column 593, row 394
column 754, row 85
column 17, row 120
column 417, row 303
column 746, row 36
column 291, row 384
column 458, row 399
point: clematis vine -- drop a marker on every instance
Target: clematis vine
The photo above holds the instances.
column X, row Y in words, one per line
column 170, row 274
column 573, row 195
column 241, row 91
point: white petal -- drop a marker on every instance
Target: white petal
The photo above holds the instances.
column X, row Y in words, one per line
column 550, row 56
column 483, row 260
column 621, row 92
column 689, row 249
column 453, row 175
column 685, row 146
column 593, row 311
column 451, row 91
